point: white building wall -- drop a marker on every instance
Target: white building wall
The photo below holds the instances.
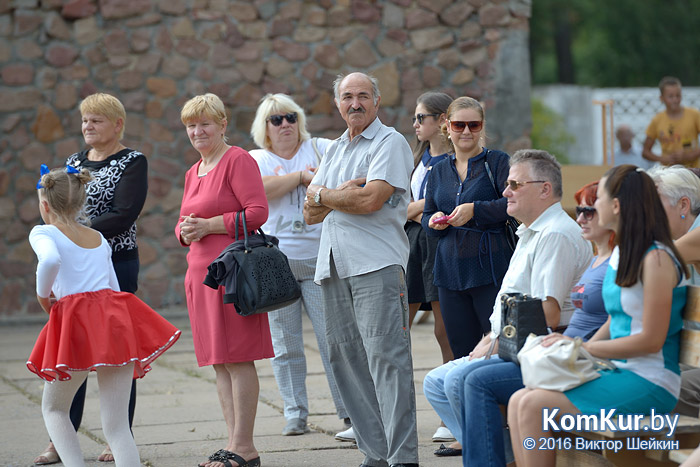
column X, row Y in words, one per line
column 583, row 119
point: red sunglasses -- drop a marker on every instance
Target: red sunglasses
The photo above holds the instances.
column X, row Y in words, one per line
column 459, row 126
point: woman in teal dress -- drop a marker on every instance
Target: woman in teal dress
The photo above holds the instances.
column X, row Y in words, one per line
column 642, row 335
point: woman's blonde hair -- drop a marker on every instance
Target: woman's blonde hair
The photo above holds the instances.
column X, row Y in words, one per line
column 458, row 104
column 273, row 104
column 65, row 193
column 106, row 105
column 209, row 105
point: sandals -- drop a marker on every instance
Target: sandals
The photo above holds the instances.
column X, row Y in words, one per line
column 223, row 456
column 50, row 456
column 106, row 455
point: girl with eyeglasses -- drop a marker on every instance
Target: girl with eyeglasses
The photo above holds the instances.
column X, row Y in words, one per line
column 644, row 300
column 431, row 147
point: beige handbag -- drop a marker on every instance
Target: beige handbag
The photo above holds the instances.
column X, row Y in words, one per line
column 562, row 366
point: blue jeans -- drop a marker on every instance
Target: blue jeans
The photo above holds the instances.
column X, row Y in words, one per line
column 486, row 385
column 466, row 395
column 443, row 394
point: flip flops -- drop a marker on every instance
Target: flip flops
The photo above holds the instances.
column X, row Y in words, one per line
column 225, row 457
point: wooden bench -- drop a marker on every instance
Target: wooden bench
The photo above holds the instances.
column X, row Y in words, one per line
column 687, row 432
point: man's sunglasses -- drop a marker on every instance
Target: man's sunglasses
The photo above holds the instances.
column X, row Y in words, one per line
column 514, row 185
column 276, row 120
column 420, row 117
column 587, row 211
column 459, row 126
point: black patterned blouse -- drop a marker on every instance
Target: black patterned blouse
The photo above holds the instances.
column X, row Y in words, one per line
column 115, row 197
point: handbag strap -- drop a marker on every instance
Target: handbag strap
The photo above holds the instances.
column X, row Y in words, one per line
column 318, row 153
column 490, row 174
column 241, row 215
column 579, row 351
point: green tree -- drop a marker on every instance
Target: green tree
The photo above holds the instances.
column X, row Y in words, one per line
column 617, row 43
column 549, row 132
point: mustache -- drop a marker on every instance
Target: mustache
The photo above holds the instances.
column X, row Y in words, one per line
column 357, row 110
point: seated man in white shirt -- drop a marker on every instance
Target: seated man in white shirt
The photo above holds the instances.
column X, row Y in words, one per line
column 550, row 257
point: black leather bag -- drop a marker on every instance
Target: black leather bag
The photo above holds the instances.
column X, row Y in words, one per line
column 255, row 272
column 511, row 224
column 521, row 315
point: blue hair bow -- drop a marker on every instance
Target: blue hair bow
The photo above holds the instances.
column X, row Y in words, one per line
column 43, row 171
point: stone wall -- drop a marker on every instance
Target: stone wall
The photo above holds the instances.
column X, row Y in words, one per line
column 154, row 55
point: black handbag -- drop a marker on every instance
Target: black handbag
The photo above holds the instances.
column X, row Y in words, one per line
column 521, row 315
column 511, row 224
column 255, row 273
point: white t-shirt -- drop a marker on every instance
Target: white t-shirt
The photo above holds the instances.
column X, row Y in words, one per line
column 287, row 211
column 66, row 268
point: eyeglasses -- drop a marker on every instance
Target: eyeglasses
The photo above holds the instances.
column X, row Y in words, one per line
column 459, row 127
column 514, row 185
column 276, row 120
column 587, row 211
column 420, row 118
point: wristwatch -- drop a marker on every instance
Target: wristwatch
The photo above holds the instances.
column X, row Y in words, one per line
column 317, row 197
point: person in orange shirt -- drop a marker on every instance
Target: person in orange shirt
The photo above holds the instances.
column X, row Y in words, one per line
column 676, row 128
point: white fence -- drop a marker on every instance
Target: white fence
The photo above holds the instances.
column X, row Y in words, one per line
column 583, row 119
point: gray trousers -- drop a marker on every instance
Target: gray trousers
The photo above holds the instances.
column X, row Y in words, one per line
column 370, row 351
column 289, row 364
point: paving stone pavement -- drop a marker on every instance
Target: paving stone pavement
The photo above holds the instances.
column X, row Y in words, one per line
column 178, row 420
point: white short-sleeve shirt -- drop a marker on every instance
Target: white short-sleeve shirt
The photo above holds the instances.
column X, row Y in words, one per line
column 549, row 259
column 362, row 243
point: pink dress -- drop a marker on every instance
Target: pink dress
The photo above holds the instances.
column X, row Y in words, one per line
column 220, row 334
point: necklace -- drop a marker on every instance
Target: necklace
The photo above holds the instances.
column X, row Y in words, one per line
column 206, row 166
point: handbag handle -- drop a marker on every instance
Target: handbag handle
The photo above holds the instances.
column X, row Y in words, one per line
column 598, row 363
column 241, row 215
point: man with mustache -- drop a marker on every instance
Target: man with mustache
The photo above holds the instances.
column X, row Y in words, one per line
column 360, row 192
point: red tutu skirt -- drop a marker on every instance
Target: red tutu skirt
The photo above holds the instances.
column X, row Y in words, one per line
column 95, row 329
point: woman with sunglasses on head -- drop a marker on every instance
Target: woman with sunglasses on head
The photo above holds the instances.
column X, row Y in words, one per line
column 465, row 210
column 644, row 301
column 288, row 159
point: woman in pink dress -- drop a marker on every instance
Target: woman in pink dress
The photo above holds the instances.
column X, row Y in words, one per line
column 225, row 181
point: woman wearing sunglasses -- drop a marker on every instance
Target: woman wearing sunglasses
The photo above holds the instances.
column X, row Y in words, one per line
column 288, row 159
column 465, row 210
column 431, row 147
column 644, row 302
column 483, row 385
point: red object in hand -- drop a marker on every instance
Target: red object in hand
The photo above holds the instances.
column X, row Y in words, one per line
column 442, row 220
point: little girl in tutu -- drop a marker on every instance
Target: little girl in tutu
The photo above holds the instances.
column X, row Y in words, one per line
column 92, row 326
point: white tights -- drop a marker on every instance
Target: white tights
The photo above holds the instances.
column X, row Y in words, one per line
column 114, row 384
